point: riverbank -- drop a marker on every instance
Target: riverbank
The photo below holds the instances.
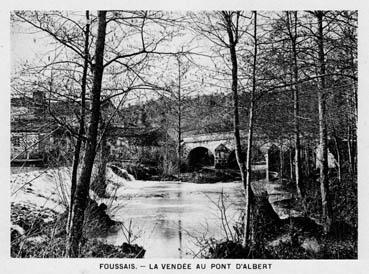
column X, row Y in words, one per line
column 39, row 233
column 39, row 206
column 285, row 229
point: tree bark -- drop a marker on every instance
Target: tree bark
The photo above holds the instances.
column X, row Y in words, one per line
column 351, row 171
column 291, row 163
column 249, row 193
column 338, row 157
column 179, row 152
column 99, row 183
column 227, row 16
column 292, row 29
column 324, row 187
column 83, row 185
column 281, row 161
column 81, row 131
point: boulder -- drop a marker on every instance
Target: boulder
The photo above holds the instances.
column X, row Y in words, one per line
column 37, row 239
column 282, row 198
column 284, row 239
column 311, row 245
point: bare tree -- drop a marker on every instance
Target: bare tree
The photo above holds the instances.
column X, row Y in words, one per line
column 77, row 150
column 225, row 30
column 322, row 94
column 82, row 188
column 291, row 25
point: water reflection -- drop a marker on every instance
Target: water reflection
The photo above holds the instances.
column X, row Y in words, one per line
column 180, row 229
column 170, row 216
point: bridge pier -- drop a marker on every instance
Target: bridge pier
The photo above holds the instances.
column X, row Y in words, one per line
column 221, row 156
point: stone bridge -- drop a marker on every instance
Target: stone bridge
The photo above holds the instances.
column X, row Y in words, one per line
column 218, row 149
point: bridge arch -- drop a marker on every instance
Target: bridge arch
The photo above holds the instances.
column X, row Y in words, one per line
column 199, row 157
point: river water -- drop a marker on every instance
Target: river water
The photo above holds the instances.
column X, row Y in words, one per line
column 169, row 218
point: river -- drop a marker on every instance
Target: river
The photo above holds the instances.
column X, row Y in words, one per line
column 169, row 218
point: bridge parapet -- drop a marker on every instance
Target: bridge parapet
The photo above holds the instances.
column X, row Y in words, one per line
column 215, row 136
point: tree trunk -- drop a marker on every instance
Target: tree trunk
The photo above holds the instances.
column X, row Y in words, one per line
column 292, row 31
column 281, row 159
column 338, row 158
column 99, row 183
column 307, row 161
column 247, row 186
column 296, row 108
column 82, row 189
column 349, row 149
column 249, row 194
column 324, row 188
column 236, row 124
column 179, row 117
column 77, row 150
column 291, row 164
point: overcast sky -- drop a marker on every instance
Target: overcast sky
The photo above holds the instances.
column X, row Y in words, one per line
column 29, row 45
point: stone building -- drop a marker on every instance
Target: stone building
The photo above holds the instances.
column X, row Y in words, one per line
column 35, row 134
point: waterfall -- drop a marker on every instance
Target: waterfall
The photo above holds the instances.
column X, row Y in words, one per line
column 121, row 172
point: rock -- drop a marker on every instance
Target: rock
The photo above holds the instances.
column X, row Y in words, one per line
column 229, row 250
column 37, row 239
column 284, row 239
column 286, row 213
column 16, row 232
column 282, row 198
column 259, row 187
column 18, row 229
column 97, row 220
column 305, row 225
column 133, row 250
column 311, row 245
column 122, row 173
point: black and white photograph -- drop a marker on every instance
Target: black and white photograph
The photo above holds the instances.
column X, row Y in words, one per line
column 184, row 134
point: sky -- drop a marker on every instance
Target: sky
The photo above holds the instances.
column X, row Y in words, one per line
column 22, row 48
column 26, row 44
column 29, row 46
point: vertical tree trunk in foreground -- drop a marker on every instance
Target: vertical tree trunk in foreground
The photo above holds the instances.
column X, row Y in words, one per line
column 77, row 150
column 103, row 151
column 249, row 193
column 179, row 152
column 292, row 29
column 236, row 120
column 83, row 185
column 338, row 156
column 324, row 188
column 245, row 168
